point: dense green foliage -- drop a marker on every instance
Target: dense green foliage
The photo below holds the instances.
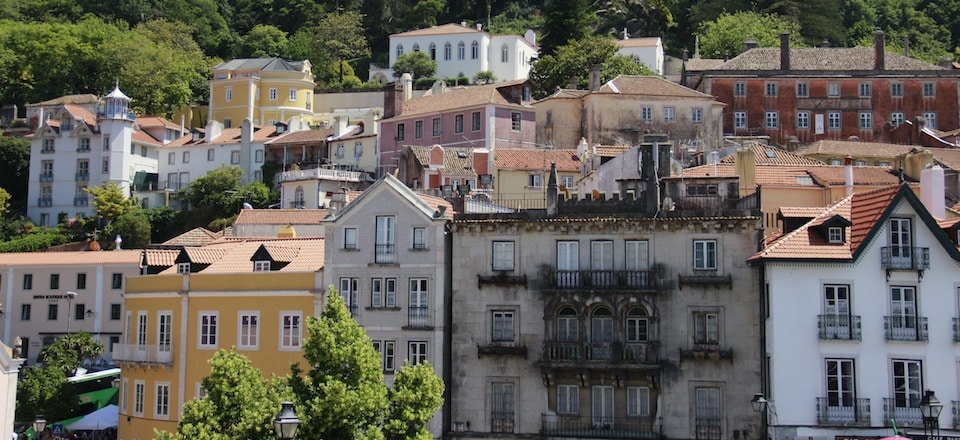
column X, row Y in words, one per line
column 725, row 35
column 35, row 240
column 572, row 63
column 417, row 64
column 14, row 169
column 44, row 389
column 220, row 194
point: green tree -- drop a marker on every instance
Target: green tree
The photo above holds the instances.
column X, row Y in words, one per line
column 418, row 64
column 340, row 38
column 132, row 227
column 109, row 201
column 572, row 63
column 163, row 223
column 416, row 396
column 265, row 40
column 43, row 389
column 240, row 403
column 4, row 202
column 214, row 195
column 565, row 21
column 14, row 169
column 724, row 36
column 342, row 395
column 485, row 77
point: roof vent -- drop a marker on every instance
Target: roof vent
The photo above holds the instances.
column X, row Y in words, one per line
column 462, row 154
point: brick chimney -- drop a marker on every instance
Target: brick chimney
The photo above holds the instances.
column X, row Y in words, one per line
column 785, row 51
column 594, row 77
column 879, row 56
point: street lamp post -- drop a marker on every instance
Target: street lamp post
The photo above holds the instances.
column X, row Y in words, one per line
column 39, row 424
column 70, row 297
column 759, row 403
column 286, row 424
column 930, row 408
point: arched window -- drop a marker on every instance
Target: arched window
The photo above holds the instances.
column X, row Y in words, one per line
column 504, row 53
column 637, row 325
column 298, row 197
column 474, row 50
column 416, row 47
column 433, row 51
column 447, row 51
column 399, row 50
column 601, row 334
column 461, row 51
column 567, row 327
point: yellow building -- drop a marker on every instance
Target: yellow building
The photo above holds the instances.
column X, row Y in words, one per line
column 263, row 90
column 520, row 175
column 250, row 294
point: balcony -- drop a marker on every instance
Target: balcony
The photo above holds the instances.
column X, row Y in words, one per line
column 44, row 202
column 385, row 254
column 319, row 174
column 81, row 200
column 418, row 318
column 839, row 327
column 706, row 351
column 600, row 355
column 904, row 258
column 146, row 354
column 82, row 177
column 46, row 177
column 573, row 426
column 905, row 328
column 851, row 412
column 602, row 280
column 502, row 422
column 900, row 413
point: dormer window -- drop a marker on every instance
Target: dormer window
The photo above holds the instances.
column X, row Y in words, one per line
column 835, row 234
column 261, row 266
column 196, row 136
column 183, row 268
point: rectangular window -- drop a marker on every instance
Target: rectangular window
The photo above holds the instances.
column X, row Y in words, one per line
column 186, row 157
column 803, row 90
column 52, row 311
column 106, row 142
column 669, row 114
column 740, row 120
column 601, row 397
column 417, row 352
column 234, row 158
column 866, row 120
column 142, row 328
column 705, row 254
column 515, row 119
column 401, row 129
column 162, row 400
column 116, row 281
column 417, row 131
column 25, row 312
column 931, row 119
column 833, row 120
column 840, row 383
column 501, row 407
column 389, row 355
column 646, row 113
column 349, row 238
column 81, row 281
column 124, row 389
column 208, row 329
column 164, row 330
column 638, row 401
column 272, row 94
column 833, row 90
column 803, row 120
column 696, row 115
column 896, row 118
column 211, row 154
column 533, row 181
column 138, row 389
column 54, row 281
column 503, row 255
column 770, row 89
column 261, row 266
column 502, row 326
column 229, row 94
column 568, row 399
column 183, row 268
column 929, row 90
column 249, row 330
column 385, row 239
column 772, row 119
column 171, row 158
column 903, row 313
column 835, row 234
column 706, row 328
column 458, row 124
column 475, row 121
column 258, row 156
column 350, row 292
column 865, row 90
column 740, row 88
column 436, row 127
column 418, row 311
column 419, row 238
column 292, row 95
column 907, row 383
column 708, row 414
column 79, row 311
column 291, row 332
column 376, row 292
column 896, row 90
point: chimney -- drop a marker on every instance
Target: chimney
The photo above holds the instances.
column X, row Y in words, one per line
column 825, row 43
column 439, row 87
column 848, row 174
column 246, row 132
column 552, row 191
column 594, row 77
column 945, row 62
column 340, row 125
column 213, row 131
column 879, row 57
column 406, row 80
column 785, row 51
column 626, row 36
column 339, row 200
column 479, row 26
column 745, row 166
column 182, row 128
column 750, row 43
column 906, row 46
column 932, row 192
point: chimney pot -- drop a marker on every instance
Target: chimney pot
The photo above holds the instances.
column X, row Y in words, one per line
column 879, row 56
column 785, row 51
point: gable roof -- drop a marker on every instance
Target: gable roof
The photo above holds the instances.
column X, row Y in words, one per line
column 823, row 59
column 444, row 29
column 228, row 136
column 234, row 255
column 531, row 159
column 459, row 97
column 767, row 155
column 426, row 204
column 78, row 258
column 855, row 149
column 275, row 64
column 457, row 162
column 194, row 237
column 280, row 217
column 639, row 42
column 793, row 175
column 648, row 86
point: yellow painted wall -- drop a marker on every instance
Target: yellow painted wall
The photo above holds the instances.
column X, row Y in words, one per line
column 512, row 184
column 255, row 90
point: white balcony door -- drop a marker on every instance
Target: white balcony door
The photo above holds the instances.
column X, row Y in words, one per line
column 900, row 242
column 568, row 263
column 836, row 308
column 903, row 309
column 602, row 401
column 601, row 261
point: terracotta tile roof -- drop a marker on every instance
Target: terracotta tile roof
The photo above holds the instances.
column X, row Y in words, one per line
column 86, row 98
column 204, row 255
column 457, row 162
column 835, row 175
column 281, row 253
column 445, row 29
column 302, row 137
column 161, row 257
column 649, row 86
column 855, row 149
column 800, row 211
column 531, row 159
column 144, row 138
column 639, row 42
column 81, row 113
column 156, row 121
column 610, row 150
column 86, row 258
column 700, row 64
column 458, row 97
column 866, row 210
column 227, row 136
column 233, row 255
column 280, row 216
column 567, row 94
column 947, row 157
column 436, row 202
column 804, row 243
column 948, row 223
column 823, row 59
column 193, row 237
column 767, row 155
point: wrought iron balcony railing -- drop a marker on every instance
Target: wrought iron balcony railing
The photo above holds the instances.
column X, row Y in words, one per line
column 904, row 258
column 501, row 421
column 46, row 177
column 82, row 177
column 636, row 353
column 840, row 411
column 148, row 354
column 602, row 279
column 574, row 426
column 385, row 254
column 902, row 412
column 905, row 328
column 45, row 201
column 418, row 317
column 839, row 327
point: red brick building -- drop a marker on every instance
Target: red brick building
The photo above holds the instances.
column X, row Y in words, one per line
column 810, row 94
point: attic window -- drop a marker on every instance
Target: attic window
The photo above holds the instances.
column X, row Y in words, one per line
column 835, row 235
column 196, row 136
column 702, row 190
column 261, row 266
column 770, row 154
column 183, row 268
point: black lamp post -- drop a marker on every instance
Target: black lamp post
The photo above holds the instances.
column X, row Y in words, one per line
column 930, row 408
column 286, row 424
column 39, row 424
column 759, row 403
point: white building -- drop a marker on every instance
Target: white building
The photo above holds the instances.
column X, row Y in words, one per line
column 75, row 148
column 647, row 50
column 10, row 362
column 464, row 51
column 862, row 301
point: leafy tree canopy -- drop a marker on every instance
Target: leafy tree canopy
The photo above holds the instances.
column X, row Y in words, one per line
column 340, row 38
column 265, row 40
column 109, row 201
column 573, row 61
column 724, row 36
column 132, row 227
column 43, row 389
column 14, row 167
column 566, row 21
column 417, row 63
column 416, row 396
column 215, row 193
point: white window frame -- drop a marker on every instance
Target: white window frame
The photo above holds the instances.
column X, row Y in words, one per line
column 258, row 156
column 866, row 120
column 833, row 90
column 706, row 328
column 740, row 120
column 292, row 95
column 534, row 181
column 896, row 90
column 865, row 90
column 840, row 375
column 235, row 157
column 389, row 356
column 568, row 399
column 211, row 154
column 248, row 330
column 291, row 330
column 516, row 121
column 161, row 400
column 139, row 391
column 835, row 234
column 186, row 157
column 504, row 255
column 803, row 90
column 416, row 352
column 142, row 322
column 419, row 237
column 803, row 120
column 740, row 88
column 165, row 330
column 228, row 94
column 208, row 326
column 349, row 238
column 183, row 268
column 772, row 120
column 646, row 113
column 503, row 325
column 669, row 114
column 696, row 115
column 261, row 266
column 638, row 401
column 896, row 118
column 705, row 254
column 272, row 94
column 908, row 383
column 834, row 120
column 931, row 119
column 770, row 89
column 124, row 395
column 929, row 90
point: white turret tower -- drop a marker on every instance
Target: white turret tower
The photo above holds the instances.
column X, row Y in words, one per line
column 116, row 126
